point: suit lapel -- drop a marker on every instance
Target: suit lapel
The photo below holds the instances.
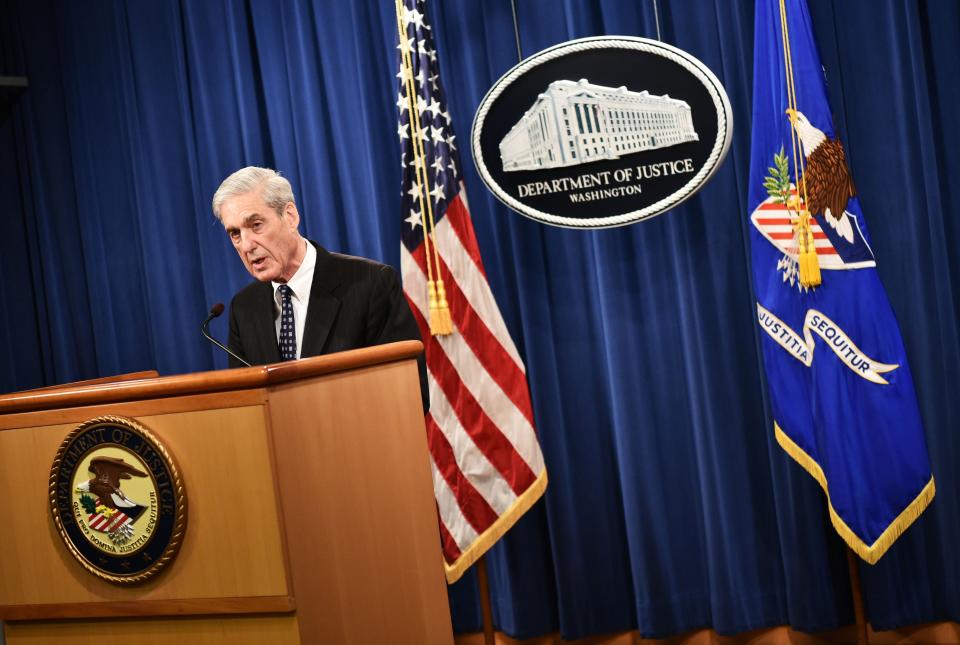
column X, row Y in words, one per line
column 323, row 306
column 265, row 325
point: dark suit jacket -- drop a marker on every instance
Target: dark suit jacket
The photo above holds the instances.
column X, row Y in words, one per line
column 354, row 302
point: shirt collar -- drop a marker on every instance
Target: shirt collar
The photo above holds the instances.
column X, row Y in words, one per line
column 302, row 280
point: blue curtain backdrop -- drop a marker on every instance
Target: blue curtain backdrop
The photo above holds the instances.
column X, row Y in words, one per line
column 670, row 506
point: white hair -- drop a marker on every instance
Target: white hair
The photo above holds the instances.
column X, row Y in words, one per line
column 277, row 192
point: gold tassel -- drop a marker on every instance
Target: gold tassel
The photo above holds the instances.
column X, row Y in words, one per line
column 433, row 306
column 444, row 322
column 808, row 260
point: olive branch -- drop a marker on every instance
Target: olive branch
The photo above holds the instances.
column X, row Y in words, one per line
column 88, row 505
column 777, row 181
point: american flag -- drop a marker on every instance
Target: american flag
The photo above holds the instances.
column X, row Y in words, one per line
column 487, row 465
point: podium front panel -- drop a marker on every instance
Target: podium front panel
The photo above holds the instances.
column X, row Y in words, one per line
column 232, row 547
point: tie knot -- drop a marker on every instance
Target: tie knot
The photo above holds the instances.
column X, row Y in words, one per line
column 285, row 291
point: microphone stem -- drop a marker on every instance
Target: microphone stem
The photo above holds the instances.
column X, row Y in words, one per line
column 204, row 329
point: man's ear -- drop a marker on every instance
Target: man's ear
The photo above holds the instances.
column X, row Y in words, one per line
column 291, row 214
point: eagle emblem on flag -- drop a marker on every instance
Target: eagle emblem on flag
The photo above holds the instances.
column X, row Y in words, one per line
column 812, row 217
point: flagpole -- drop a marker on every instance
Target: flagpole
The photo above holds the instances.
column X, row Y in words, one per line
column 516, row 30
column 485, row 609
column 858, row 612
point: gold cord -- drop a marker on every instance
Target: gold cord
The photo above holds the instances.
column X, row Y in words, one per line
column 439, row 311
column 809, row 263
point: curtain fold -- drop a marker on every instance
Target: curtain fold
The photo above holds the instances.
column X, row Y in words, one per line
column 670, row 505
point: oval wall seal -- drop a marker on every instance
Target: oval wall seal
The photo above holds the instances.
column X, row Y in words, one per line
column 117, row 499
column 601, row 132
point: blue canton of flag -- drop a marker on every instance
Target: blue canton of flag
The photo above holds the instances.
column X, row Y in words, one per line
column 436, row 130
column 843, row 399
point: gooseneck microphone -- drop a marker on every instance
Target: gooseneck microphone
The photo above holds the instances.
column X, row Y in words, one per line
column 215, row 311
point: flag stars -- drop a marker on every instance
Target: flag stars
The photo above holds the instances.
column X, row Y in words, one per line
column 403, row 103
column 434, row 108
column 414, row 191
column 437, row 135
column 433, row 82
column 412, row 16
column 438, row 192
column 449, row 141
column 438, row 165
column 402, row 131
column 413, row 219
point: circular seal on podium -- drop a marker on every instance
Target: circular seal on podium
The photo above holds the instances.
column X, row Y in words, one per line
column 117, row 499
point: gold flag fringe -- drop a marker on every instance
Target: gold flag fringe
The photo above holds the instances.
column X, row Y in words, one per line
column 496, row 530
column 870, row 553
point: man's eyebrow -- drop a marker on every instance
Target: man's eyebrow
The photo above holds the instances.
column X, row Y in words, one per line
column 246, row 222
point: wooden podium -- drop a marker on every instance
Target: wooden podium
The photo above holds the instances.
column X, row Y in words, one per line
column 311, row 515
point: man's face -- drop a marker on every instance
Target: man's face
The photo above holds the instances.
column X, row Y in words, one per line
column 268, row 242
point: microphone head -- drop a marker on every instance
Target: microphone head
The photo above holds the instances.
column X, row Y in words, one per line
column 216, row 310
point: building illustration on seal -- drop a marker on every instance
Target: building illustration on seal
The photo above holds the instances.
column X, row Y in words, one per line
column 572, row 123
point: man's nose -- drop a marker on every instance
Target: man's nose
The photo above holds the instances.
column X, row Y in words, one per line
column 246, row 242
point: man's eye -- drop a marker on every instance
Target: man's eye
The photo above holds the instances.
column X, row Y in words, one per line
column 234, row 235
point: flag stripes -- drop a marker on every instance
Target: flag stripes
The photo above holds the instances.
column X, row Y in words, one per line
column 484, row 367
column 486, row 347
column 465, row 409
column 105, row 524
column 478, row 511
column 486, row 461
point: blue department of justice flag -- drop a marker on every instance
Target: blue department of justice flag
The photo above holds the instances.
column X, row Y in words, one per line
column 843, row 399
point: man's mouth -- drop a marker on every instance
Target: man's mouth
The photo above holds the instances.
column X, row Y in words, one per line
column 258, row 263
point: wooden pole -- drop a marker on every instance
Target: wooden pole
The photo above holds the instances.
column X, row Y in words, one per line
column 485, row 609
column 862, row 637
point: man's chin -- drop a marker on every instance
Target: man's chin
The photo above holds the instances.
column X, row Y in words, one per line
column 263, row 274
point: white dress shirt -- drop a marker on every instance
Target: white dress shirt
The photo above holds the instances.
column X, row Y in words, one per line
column 300, row 285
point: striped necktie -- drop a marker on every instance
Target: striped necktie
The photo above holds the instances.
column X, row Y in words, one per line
column 288, row 330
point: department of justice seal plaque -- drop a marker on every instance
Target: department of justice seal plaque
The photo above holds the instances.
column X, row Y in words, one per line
column 601, row 132
column 117, row 499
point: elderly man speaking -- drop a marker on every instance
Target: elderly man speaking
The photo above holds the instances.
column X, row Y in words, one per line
column 307, row 301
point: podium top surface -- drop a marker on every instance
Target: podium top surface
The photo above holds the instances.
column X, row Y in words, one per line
column 206, row 382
